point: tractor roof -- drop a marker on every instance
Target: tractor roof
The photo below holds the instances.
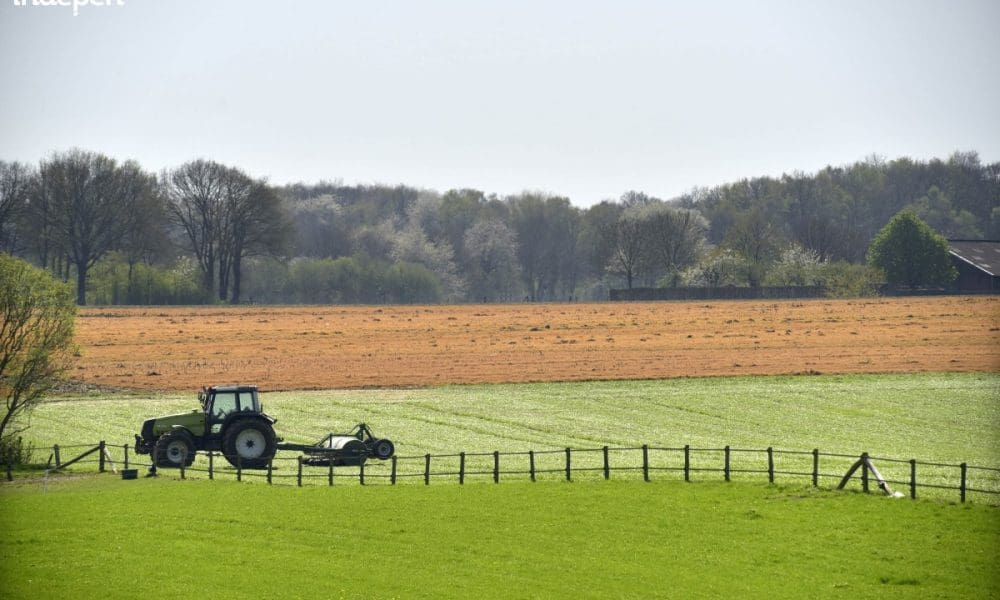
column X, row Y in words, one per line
column 233, row 388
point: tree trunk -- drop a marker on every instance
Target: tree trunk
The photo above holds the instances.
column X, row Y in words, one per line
column 81, row 283
column 223, row 283
column 237, row 275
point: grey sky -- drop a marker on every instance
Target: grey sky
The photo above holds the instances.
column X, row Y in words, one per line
column 583, row 99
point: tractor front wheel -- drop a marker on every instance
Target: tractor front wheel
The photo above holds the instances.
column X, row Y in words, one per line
column 249, row 443
column 174, row 449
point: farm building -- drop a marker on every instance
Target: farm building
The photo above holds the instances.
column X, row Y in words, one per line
column 978, row 264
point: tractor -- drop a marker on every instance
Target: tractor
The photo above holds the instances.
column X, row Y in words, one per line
column 232, row 421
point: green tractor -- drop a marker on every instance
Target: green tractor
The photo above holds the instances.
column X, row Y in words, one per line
column 232, row 421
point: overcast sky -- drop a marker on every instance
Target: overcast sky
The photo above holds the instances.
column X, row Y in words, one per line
column 577, row 98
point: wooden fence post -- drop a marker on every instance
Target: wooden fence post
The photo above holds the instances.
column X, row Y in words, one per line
column 125, row 448
column 361, row 473
column 770, row 464
column 55, row 452
column 569, row 476
column 329, row 475
column 100, row 458
column 392, row 474
column 607, row 465
column 864, row 472
column 239, row 468
column 725, row 465
column 427, row 469
column 961, row 489
column 531, row 464
column 687, row 462
column 183, row 460
column 815, row 467
column 298, row 479
column 461, row 468
column 496, row 466
column 270, row 471
column 211, row 461
column 645, row 462
column 913, row 478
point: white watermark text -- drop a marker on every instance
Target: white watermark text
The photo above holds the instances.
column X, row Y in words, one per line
column 75, row 4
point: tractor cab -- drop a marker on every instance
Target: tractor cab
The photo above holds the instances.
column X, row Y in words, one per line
column 219, row 402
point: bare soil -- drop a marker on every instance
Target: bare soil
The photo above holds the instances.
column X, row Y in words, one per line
column 321, row 347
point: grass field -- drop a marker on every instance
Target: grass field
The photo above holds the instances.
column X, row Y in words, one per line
column 336, row 347
column 918, row 378
column 946, row 418
column 91, row 538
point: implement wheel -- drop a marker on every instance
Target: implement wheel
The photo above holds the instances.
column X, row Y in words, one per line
column 249, row 443
column 383, row 449
column 174, row 449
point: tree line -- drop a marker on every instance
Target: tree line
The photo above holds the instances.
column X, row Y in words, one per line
column 205, row 232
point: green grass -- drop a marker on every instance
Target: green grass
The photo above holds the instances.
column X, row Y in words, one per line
column 940, row 417
column 98, row 537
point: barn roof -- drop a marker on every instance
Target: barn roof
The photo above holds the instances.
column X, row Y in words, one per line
column 981, row 254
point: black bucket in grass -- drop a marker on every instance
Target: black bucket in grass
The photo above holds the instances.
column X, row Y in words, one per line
column 130, row 473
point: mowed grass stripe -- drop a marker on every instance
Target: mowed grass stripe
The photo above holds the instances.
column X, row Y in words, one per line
column 934, row 417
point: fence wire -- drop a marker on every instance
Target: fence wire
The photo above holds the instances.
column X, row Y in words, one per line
column 908, row 477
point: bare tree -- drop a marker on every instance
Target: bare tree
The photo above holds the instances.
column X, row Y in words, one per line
column 260, row 227
column 226, row 216
column 547, row 228
column 626, row 240
column 88, row 199
column 15, row 182
column 491, row 248
column 236, row 209
column 673, row 238
column 195, row 194
column 754, row 239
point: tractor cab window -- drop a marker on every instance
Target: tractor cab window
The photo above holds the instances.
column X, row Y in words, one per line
column 224, row 403
column 247, row 401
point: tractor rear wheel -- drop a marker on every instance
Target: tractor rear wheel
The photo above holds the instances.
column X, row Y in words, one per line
column 249, row 443
column 174, row 449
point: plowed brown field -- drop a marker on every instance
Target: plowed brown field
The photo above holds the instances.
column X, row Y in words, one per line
column 282, row 348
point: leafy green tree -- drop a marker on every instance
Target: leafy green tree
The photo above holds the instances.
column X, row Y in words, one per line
column 36, row 334
column 910, row 253
column 848, row 280
column 719, row 268
column 796, row 266
column 936, row 210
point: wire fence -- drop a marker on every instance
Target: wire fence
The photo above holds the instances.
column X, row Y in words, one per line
column 908, row 477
